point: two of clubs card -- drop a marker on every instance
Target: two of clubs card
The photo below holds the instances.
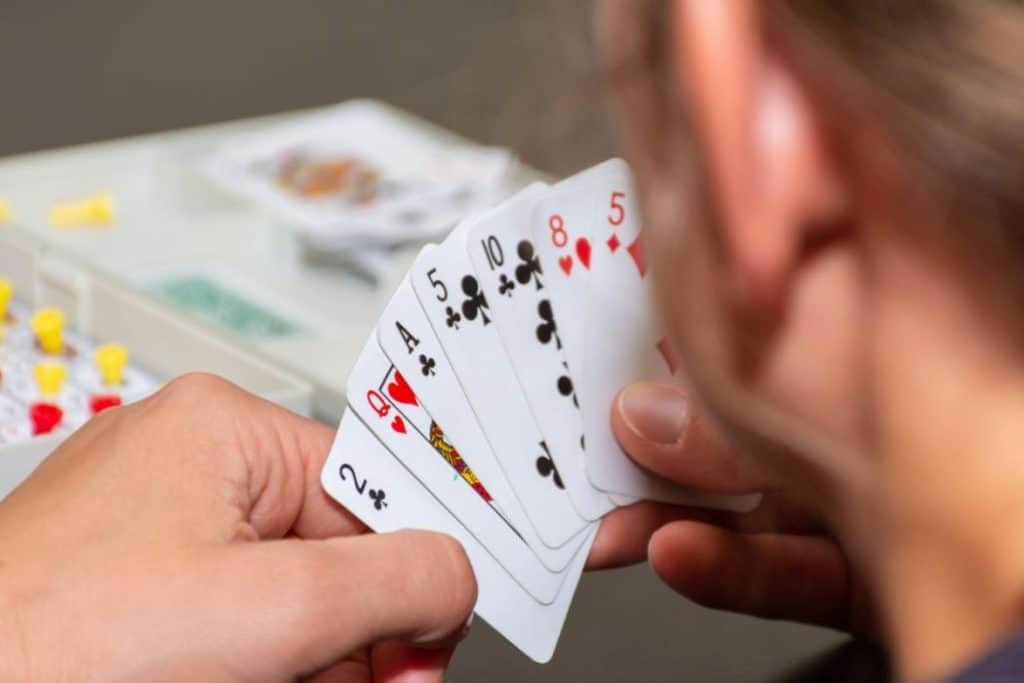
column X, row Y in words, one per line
column 480, row 407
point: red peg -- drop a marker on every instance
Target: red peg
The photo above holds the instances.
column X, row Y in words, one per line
column 45, row 416
column 101, row 402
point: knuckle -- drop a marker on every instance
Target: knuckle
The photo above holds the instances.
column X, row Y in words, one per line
column 193, row 386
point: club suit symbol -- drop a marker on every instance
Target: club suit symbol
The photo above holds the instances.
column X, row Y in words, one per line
column 547, row 330
column 546, row 467
column 377, row 496
column 475, row 303
column 428, row 366
column 529, row 268
column 565, row 388
column 452, row 317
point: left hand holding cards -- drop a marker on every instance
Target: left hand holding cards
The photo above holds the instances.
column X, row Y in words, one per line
column 187, row 537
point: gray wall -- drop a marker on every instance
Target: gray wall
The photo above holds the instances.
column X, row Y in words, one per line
column 510, row 72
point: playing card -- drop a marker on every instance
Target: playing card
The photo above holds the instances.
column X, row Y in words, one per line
column 513, row 282
column 359, row 172
column 562, row 222
column 387, row 405
column 363, row 475
column 409, row 342
column 625, row 341
column 459, row 314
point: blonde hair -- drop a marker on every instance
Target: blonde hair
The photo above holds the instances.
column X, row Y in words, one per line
column 944, row 79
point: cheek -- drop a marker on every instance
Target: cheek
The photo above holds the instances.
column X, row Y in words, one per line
column 811, row 369
column 817, row 370
column 689, row 293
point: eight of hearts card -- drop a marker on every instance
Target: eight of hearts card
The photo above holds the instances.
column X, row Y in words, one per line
column 480, row 405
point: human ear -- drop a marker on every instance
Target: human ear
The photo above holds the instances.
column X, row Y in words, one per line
column 772, row 178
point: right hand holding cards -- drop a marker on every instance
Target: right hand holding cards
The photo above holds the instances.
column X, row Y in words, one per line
column 481, row 406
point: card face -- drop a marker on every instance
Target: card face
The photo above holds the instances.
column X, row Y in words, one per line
column 625, row 341
column 386, row 403
column 362, row 475
column 409, row 342
column 562, row 225
column 360, row 171
column 460, row 316
column 512, row 281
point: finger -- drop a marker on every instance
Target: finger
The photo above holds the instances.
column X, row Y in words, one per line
column 318, row 515
column 354, row 669
column 657, row 426
column 306, row 605
column 394, row 661
column 286, row 453
column 280, row 453
column 802, row 578
column 624, row 534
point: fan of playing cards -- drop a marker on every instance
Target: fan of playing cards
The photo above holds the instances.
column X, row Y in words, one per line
column 480, row 406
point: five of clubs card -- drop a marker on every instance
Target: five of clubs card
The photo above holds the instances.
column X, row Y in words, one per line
column 480, row 407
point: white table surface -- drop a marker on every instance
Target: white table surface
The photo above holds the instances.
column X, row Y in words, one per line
column 169, row 216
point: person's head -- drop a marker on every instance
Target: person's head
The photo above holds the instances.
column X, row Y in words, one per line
column 833, row 195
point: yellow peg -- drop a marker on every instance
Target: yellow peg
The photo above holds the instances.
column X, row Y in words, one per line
column 50, row 377
column 111, row 359
column 95, row 210
column 6, row 292
column 6, row 214
column 48, row 324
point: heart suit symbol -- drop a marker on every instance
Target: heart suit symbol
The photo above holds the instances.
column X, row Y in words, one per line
column 400, row 391
column 583, row 251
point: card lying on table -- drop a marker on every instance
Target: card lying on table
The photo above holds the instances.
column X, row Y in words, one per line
column 480, row 405
column 359, row 173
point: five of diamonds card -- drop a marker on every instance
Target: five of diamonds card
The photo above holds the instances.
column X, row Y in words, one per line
column 480, row 405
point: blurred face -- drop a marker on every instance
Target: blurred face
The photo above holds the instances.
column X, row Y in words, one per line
column 747, row 216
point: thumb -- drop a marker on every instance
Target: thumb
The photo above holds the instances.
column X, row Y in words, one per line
column 298, row 606
column 656, row 424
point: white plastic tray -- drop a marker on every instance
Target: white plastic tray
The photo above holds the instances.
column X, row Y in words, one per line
column 159, row 339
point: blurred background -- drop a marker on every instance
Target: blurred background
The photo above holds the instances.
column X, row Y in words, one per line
column 515, row 73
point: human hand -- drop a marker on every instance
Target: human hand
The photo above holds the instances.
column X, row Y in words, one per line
column 186, row 537
column 778, row 561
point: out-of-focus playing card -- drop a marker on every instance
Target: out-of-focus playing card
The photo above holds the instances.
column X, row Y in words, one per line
column 409, row 342
column 459, row 312
column 360, row 172
column 388, row 406
column 625, row 341
column 365, row 477
column 505, row 261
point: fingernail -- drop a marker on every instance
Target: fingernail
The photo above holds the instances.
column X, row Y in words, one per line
column 656, row 412
column 465, row 627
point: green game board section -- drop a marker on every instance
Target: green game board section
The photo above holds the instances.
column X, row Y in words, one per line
column 225, row 307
